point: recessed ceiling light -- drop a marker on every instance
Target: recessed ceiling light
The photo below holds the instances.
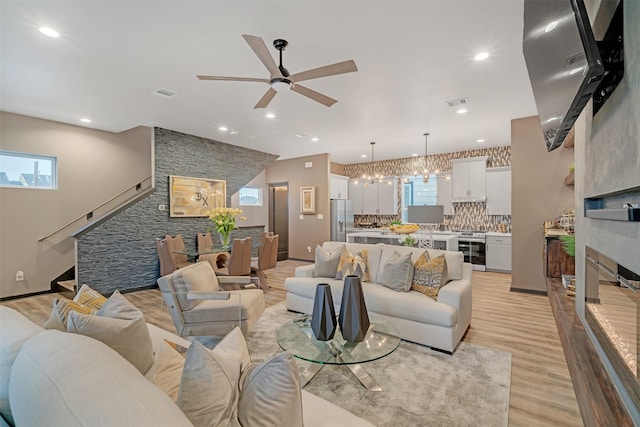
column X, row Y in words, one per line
column 270, row 116
column 233, row 132
column 49, row 32
column 315, row 139
column 481, row 56
column 550, row 26
column 223, row 128
column 85, row 120
column 414, row 155
column 480, row 141
column 363, row 155
column 461, row 111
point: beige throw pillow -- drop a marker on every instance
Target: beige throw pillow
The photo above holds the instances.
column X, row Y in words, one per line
column 198, row 277
column 120, row 325
column 169, row 368
column 326, row 262
column 271, row 394
column 429, row 275
column 397, row 272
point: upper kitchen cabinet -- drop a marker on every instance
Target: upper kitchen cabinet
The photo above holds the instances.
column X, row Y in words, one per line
column 378, row 198
column 445, row 194
column 469, row 179
column 499, row 191
column 338, row 187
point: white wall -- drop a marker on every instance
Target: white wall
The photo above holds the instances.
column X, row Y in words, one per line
column 92, row 167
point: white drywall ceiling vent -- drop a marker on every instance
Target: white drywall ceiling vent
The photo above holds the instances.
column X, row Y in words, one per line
column 457, row 102
column 164, row 93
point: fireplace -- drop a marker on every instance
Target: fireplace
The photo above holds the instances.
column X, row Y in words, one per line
column 612, row 311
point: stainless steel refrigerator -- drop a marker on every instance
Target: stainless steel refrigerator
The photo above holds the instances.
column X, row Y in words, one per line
column 341, row 219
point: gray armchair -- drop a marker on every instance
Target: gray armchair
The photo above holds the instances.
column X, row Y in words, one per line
column 199, row 307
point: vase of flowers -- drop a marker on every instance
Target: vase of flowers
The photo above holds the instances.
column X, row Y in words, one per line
column 224, row 220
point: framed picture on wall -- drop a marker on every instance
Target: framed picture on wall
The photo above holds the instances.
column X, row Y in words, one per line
column 195, row 197
column 308, row 200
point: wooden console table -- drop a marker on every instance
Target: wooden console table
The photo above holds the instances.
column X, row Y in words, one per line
column 557, row 262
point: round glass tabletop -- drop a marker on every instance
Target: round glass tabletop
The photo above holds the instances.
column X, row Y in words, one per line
column 297, row 337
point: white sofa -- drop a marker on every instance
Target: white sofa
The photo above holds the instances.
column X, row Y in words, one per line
column 438, row 324
column 54, row 378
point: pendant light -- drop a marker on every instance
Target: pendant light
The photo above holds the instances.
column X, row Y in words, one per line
column 425, row 174
column 373, row 176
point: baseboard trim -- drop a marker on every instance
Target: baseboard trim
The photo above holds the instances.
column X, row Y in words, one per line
column 528, row 291
column 32, row 294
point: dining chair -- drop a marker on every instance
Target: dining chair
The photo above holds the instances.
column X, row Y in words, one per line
column 267, row 259
column 239, row 263
column 167, row 263
column 176, row 244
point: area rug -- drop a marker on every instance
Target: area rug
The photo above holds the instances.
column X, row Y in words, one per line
column 421, row 387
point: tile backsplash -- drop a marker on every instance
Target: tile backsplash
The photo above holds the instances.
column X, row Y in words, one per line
column 468, row 216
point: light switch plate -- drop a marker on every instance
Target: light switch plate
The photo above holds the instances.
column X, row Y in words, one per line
column 161, row 207
column 320, row 216
column 301, row 216
column 308, row 164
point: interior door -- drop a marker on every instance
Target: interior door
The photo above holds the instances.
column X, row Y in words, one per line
column 279, row 217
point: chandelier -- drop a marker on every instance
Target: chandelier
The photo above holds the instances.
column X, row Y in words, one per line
column 373, row 177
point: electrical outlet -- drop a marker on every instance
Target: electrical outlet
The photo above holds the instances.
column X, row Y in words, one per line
column 19, row 276
column 308, row 249
column 161, row 207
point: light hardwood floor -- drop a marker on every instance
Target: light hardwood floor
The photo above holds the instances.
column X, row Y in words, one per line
column 523, row 324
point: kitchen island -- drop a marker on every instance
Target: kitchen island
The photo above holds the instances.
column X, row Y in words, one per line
column 446, row 241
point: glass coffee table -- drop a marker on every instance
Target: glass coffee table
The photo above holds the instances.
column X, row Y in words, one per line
column 297, row 337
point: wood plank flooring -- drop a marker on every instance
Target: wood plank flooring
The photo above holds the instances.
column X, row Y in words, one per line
column 523, row 324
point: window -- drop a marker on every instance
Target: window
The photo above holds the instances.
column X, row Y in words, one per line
column 415, row 192
column 27, row 171
column 250, row 196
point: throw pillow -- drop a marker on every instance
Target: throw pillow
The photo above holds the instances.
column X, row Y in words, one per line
column 207, row 394
column 326, row 262
column 60, row 313
column 397, row 272
column 429, row 275
column 90, row 298
column 196, row 277
column 169, row 368
column 271, row 394
column 355, row 265
column 120, row 325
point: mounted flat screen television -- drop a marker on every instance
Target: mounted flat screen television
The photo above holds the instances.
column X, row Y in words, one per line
column 563, row 61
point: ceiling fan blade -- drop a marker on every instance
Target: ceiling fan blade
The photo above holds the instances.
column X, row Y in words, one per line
column 316, row 96
column 260, row 49
column 233, row 79
column 328, row 70
column 266, row 98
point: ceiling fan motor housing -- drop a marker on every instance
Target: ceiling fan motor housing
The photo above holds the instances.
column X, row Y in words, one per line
column 280, row 45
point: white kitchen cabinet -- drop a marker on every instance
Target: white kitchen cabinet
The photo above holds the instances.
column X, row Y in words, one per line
column 445, row 194
column 499, row 191
column 338, row 187
column 498, row 252
column 469, row 179
column 378, row 198
column 356, row 195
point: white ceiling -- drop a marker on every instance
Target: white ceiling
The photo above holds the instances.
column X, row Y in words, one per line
column 412, row 57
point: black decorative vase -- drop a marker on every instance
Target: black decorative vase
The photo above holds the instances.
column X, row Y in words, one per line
column 353, row 319
column 323, row 318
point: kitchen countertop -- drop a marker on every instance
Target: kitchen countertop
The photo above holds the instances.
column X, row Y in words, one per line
column 389, row 235
column 496, row 234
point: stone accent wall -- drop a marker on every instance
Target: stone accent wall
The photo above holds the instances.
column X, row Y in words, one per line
column 467, row 215
column 120, row 254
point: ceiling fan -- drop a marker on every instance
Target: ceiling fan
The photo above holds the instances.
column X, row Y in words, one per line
column 280, row 76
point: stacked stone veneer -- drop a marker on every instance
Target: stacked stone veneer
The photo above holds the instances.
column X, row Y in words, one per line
column 467, row 215
column 120, row 253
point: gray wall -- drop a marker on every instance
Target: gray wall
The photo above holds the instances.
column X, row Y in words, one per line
column 93, row 166
column 120, row 254
column 538, row 194
column 607, row 160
